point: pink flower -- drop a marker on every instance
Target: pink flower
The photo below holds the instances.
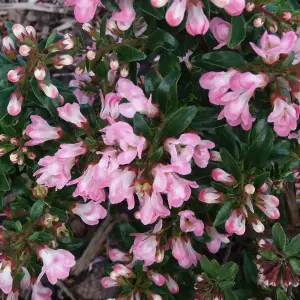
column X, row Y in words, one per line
column 296, row 49
column 71, row 113
column 15, row 75
column 295, row 135
column 232, row 7
column 182, row 151
column 70, row 151
column 146, row 246
column 268, row 205
column 118, row 255
column 50, row 90
column 137, row 100
column 257, row 225
column 84, row 11
column 177, row 189
column 120, row 270
column 272, row 46
column 201, row 155
column 126, row 16
column 121, row 133
column 189, row 223
column 217, row 238
column 109, row 106
column 175, row 12
column 197, row 22
column 159, row 3
column 15, row 104
column 222, row 176
column 84, row 98
column 40, row 131
column 221, row 31
column 88, row 186
column 215, row 156
column 39, row 292
column 26, row 280
column 13, row 296
column 8, row 45
column 171, row 284
column 153, row 208
column 157, row 278
column 183, row 251
column 121, row 187
column 90, row 212
column 19, row 31
column 56, row 264
column 210, row 196
column 39, row 73
column 107, row 282
column 284, row 117
column 236, row 222
column 6, row 279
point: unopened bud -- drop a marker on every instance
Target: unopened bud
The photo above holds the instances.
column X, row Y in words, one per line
column 114, row 64
column 250, row 6
column 3, row 137
column 91, row 55
column 137, row 215
column 48, row 220
column 31, row 155
column 31, row 32
column 199, row 278
column 159, row 255
column 273, row 28
column 20, row 161
column 2, row 151
column 66, row 44
column 40, row 191
column 24, row 50
column 14, row 157
column 88, row 27
column 14, row 141
column 159, row 3
column 258, row 22
column 286, row 15
column 215, row 156
column 24, row 149
column 124, row 72
column 40, row 73
column 80, row 70
column 249, row 189
column 63, row 60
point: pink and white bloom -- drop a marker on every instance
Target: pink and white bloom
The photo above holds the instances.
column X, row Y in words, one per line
column 108, row 282
column 175, row 13
column 109, row 106
column 19, row 31
column 40, row 131
column 15, row 75
column 210, row 196
column 159, row 3
column 8, row 45
column 88, row 186
column 171, row 284
column 118, row 255
column 39, row 292
column 15, row 104
column 50, row 90
column 157, row 278
column 268, row 205
column 232, row 7
column 24, row 50
column 120, row 270
column 6, row 279
column 39, row 73
column 217, row 239
column 284, row 117
column 201, row 154
column 183, row 251
column 137, row 100
column 71, row 113
column 271, row 46
column 126, row 16
column 56, row 264
column 221, row 31
column 70, row 151
column 152, row 208
column 257, row 225
column 222, row 176
column 84, row 98
column 295, row 135
column 215, row 156
column 236, row 222
column 13, row 295
column 189, row 223
column 84, row 11
column 26, row 280
column 197, row 22
column 121, row 187
column 90, row 213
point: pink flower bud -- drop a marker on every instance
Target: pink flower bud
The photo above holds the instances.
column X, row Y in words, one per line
column 14, row 141
column 63, row 60
column 50, row 90
column 20, row 161
column 197, row 22
column 31, row 32
column 286, row 15
column 175, row 12
column 66, row 44
column 159, row 3
column 257, row 225
column 8, row 44
column 124, row 72
column 118, row 255
column 26, row 280
column 2, row 151
column 15, row 104
column 210, row 196
column 250, row 6
column 273, row 27
column 91, row 55
column 3, row 137
column 172, row 285
column 249, row 189
column 159, row 255
column 114, row 64
column 215, row 156
column 40, row 73
column 157, row 278
column 24, row 50
column 107, row 282
column 220, row 3
column 222, row 176
column 154, row 296
column 258, row 22
column 87, row 27
column 19, row 32
column 14, row 157
column 31, row 155
column 15, row 75
column 122, row 271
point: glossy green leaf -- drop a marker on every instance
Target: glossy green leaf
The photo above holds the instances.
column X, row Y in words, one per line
column 280, row 295
column 279, row 237
column 111, row 5
column 227, row 272
column 207, row 266
column 260, row 179
column 157, row 154
column 231, row 164
column 4, row 185
column 238, row 31
column 168, row 62
column 141, row 126
column 161, row 39
column 151, row 82
column 12, row 225
column 127, row 54
column 146, row 7
column 41, row 236
column 37, row 209
column 295, row 263
column 51, row 39
column 293, row 246
column 224, row 212
column 249, row 268
column 223, row 59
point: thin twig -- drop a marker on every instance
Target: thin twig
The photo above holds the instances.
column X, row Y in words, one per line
column 292, row 203
column 32, row 6
column 61, row 285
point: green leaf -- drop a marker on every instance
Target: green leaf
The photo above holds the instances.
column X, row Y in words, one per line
column 224, row 212
column 51, row 39
column 280, row 295
column 226, row 285
column 221, row 188
column 268, row 254
column 123, row 231
column 5, row 96
column 158, row 153
column 163, row 39
column 146, row 7
column 37, row 209
column 41, row 236
column 179, row 121
column 62, row 214
column 293, row 246
column 168, row 62
column 141, row 126
column 260, row 179
column 227, row 272
column 279, row 237
column 223, row 59
column 4, row 60
column 74, row 244
column 1, row 200
column 238, row 31
column 231, row 164
column 4, row 185
column 127, row 54
column 207, row 266
column 293, row 4
column 249, row 268
column 101, row 70
column 295, row 263
column 12, row 225
column 151, row 81
column 103, row 26
column 111, row 5
column 229, row 295
column 288, row 61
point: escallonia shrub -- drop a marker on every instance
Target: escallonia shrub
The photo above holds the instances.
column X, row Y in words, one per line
column 182, row 113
